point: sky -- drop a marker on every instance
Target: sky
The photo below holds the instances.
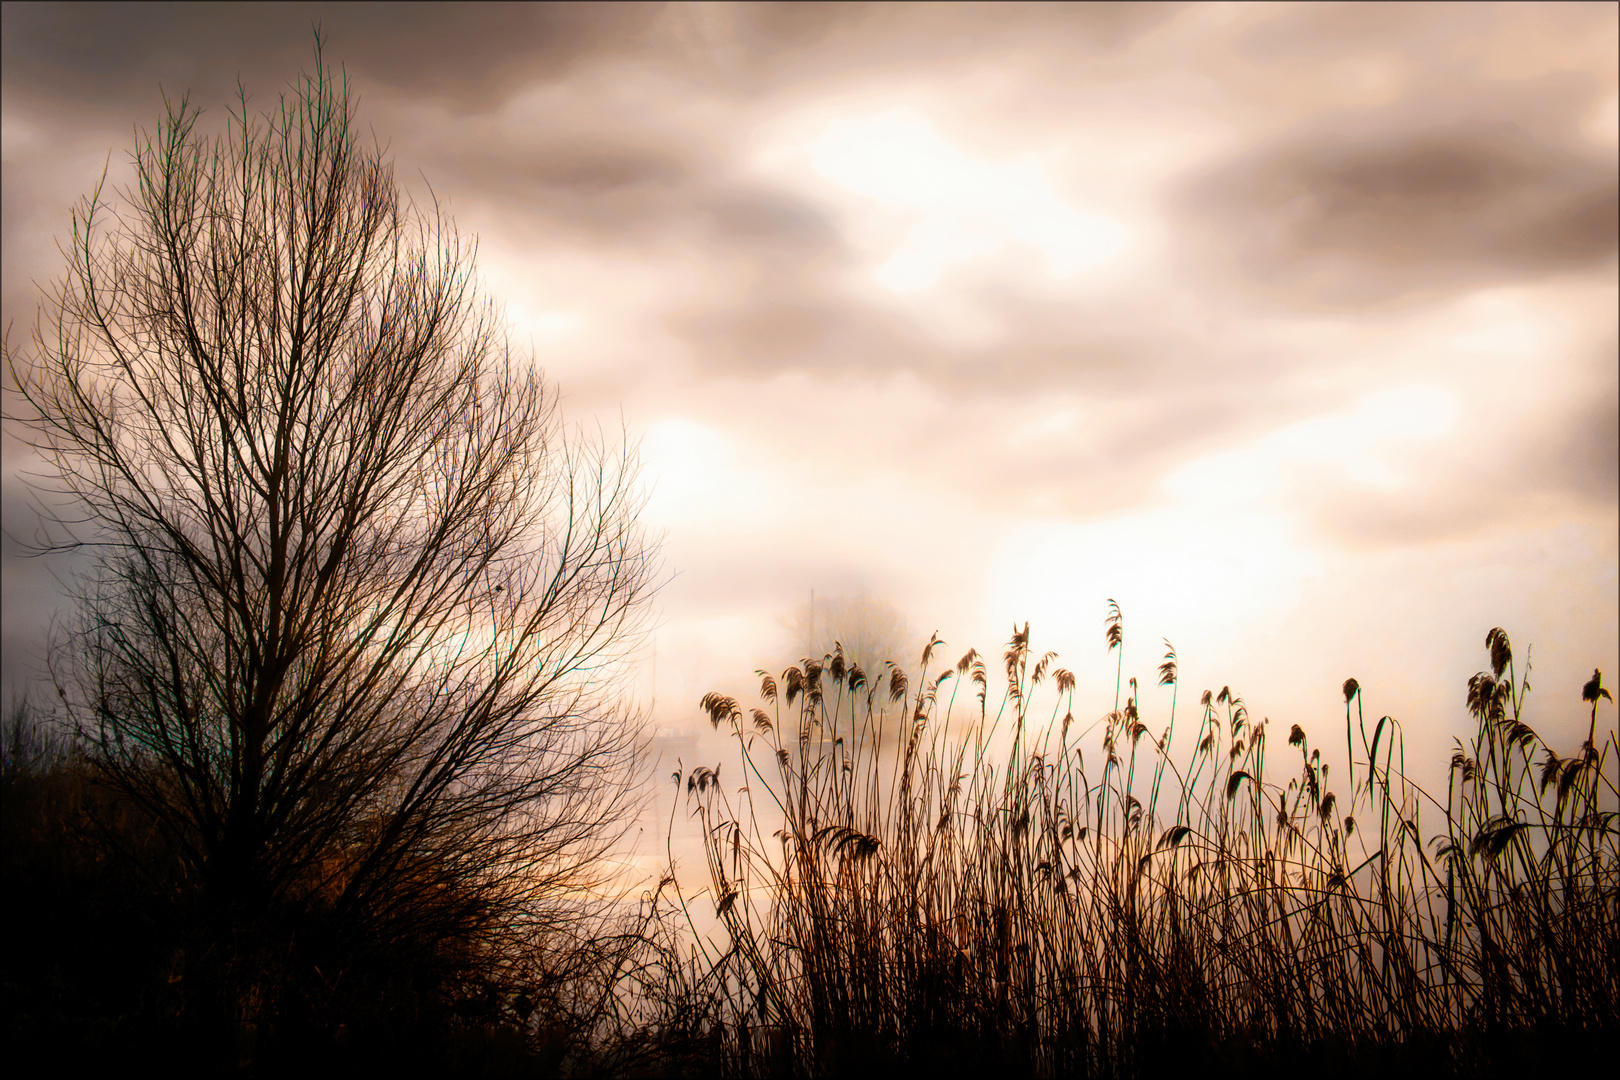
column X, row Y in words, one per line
column 1292, row 328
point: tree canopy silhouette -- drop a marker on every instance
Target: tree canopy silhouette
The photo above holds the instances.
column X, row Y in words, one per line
column 869, row 631
column 359, row 592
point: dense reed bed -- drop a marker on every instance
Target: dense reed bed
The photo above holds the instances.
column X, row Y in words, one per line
column 909, row 880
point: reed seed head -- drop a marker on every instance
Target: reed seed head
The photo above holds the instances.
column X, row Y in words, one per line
column 1167, row 670
column 1594, row 690
column 1501, row 651
column 934, row 641
column 721, row 709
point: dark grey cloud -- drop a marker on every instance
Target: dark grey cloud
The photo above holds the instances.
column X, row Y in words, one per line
column 583, row 190
column 469, row 55
column 629, row 189
column 1356, row 219
column 751, row 48
column 472, row 56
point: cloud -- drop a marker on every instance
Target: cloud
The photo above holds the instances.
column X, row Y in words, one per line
column 1585, row 451
column 1557, row 460
column 1311, row 197
column 469, row 55
column 1345, row 221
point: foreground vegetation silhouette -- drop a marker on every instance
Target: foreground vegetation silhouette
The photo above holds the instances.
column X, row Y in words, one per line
column 991, row 897
column 347, row 746
column 994, row 893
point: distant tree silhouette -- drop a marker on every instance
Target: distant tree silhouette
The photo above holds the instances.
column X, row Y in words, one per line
column 869, row 630
column 358, row 591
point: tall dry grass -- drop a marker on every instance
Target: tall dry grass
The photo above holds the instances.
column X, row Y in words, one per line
column 909, row 880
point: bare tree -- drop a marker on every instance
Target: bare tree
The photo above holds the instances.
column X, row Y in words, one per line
column 360, row 592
